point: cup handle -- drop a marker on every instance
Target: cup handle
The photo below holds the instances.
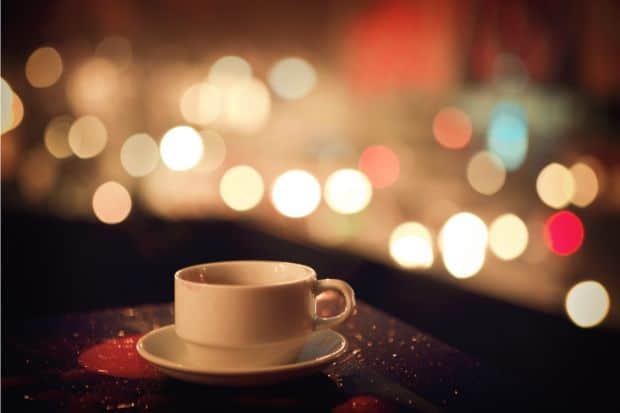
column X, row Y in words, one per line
column 349, row 299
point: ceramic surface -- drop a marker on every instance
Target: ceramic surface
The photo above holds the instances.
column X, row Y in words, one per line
column 168, row 353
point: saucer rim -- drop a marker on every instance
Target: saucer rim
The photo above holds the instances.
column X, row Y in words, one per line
column 168, row 364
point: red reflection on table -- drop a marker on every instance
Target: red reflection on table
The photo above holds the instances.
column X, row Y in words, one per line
column 380, row 164
column 564, row 233
column 365, row 404
column 117, row 357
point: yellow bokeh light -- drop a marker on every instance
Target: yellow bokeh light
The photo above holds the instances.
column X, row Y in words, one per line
column 486, row 173
column 93, row 87
column 229, row 70
column 555, row 185
column 463, row 240
column 214, row 151
column 296, row 193
column 242, row 188
column 7, row 105
column 43, row 67
column 111, row 203
column 87, row 137
column 411, row 245
column 292, row 78
column 115, row 49
column 347, row 191
column 587, row 303
column 139, row 155
column 201, row 103
column 508, row 236
column 247, row 106
column 12, row 108
column 586, row 184
column 181, row 148
column 56, row 136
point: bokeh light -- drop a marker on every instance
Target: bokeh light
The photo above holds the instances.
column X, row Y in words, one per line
column 586, row 184
column 242, row 188
column 7, row 105
column 587, row 303
column 452, row 128
column 292, row 78
column 201, row 103
column 12, row 108
column 380, row 164
column 507, row 135
column 56, row 136
column 229, row 70
column 87, row 137
column 93, row 86
column 508, row 237
column 111, row 203
column 555, row 185
column 181, row 148
column 139, row 155
column 43, row 67
column 247, row 106
column 564, row 233
column 347, row 191
column 214, row 151
column 296, row 193
column 486, row 173
column 115, row 49
column 411, row 245
column 463, row 240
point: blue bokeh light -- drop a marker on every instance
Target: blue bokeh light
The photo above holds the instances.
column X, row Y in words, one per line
column 507, row 134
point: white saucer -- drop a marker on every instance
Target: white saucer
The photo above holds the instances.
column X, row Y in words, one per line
column 163, row 348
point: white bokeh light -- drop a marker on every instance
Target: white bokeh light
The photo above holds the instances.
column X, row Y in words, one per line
column 292, row 78
column 463, row 240
column 411, row 245
column 241, row 188
column 201, row 103
column 139, row 155
column 181, row 148
column 555, row 185
column 296, row 193
column 348, row 191
column 587, row 303
column 508, row 237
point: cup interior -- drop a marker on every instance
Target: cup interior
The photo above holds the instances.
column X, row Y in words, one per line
column 246, row 273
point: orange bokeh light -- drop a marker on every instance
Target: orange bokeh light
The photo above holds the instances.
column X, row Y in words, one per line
column 380, row 164
column 452, row 128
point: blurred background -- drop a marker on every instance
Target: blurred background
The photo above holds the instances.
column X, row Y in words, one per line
column 458, row 161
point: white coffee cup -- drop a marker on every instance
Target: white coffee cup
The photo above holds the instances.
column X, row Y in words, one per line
column 240, row 314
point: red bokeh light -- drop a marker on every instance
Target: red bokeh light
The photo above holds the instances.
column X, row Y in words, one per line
column 380, row 164
column 564, row 233
column 452, row 128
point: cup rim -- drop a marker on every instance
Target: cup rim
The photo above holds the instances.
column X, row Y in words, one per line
column 178, row 274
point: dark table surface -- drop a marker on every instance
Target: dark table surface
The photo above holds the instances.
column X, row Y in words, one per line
column 389, row 366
